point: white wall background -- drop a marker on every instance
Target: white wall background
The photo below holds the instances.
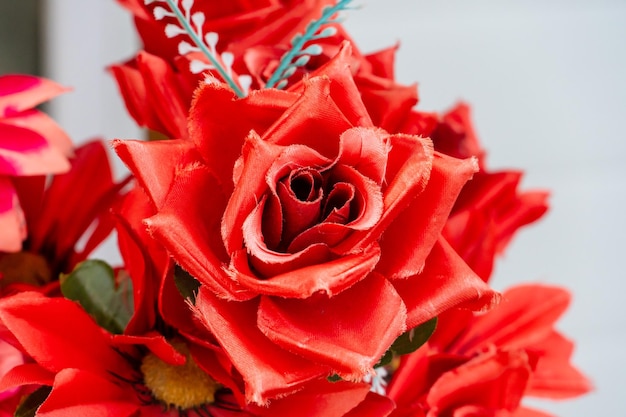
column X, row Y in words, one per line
column 547, row 81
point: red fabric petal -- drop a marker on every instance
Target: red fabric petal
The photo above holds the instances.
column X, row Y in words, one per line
column 219, row 124
column 348, row 332
column 82, row 198
column 330, row 277
column 26, row 374
column 319, row 398
column 316, row 120
column 554, row 376
column 268, row 370
column 525, row 316
column 257, row 158
column 494, row 382
column 445, row 282
column 188, row 227
column 46, row 328
column 165, row 94
column 155, row 164
column 409, row 238
column 336, row 82
column 155, row 343
column 374, row 405
column 407, row 173
column 80, row 393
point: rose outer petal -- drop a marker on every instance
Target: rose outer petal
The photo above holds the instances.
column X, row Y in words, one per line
column 266, row 368
column 188, row 227
column 348, row 332
column 409, row 238
column 445, row 282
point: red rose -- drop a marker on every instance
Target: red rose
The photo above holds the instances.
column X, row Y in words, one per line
column 315, row 235
column 157, row 84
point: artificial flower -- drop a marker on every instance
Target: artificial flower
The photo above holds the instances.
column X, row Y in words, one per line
column 491, row 208
column 483, row 365
column 157, row 84
column 30, row 144
column 146, row 376
column 72, row 207
column 298, row 217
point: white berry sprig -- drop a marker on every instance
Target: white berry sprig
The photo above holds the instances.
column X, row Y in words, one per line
column 191, row 25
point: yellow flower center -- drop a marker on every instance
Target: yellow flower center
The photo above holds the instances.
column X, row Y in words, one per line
column 184, row 386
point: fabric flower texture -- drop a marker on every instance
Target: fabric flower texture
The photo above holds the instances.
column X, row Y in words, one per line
column 314, row 235
column 30, row 144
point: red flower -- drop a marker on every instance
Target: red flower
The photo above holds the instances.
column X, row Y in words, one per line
column 490, row 208
column 157, row 84
column 30, row 144
column 310, row 230
column 142, row 376
column 73, row 207
column 483, row 365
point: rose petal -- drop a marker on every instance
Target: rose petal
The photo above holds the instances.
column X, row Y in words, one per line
column 365, row 150
column 348, row 332
column 188, row 227
column 257, row 157
column 445, row 282
column 409, row 238
column 267, row 369
column 315, row 120
column 336, row 79
column 219, row 124
column 408, row 170
column 329, row 278
column 143, row 158
column 554, row 376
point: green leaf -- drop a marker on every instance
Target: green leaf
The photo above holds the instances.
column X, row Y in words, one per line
column 29, row 407
column 333, row 378
column 186, row 284
column 92, row 283
column 409, row 342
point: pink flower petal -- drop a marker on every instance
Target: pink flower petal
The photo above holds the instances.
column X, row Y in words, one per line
column 20, row 92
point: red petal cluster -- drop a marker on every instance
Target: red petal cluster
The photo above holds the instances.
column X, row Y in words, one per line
column 314, row 231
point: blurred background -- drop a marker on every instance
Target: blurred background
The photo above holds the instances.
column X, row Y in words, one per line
column 547, row 84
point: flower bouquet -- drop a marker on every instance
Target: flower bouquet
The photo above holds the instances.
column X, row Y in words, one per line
column 297, row 237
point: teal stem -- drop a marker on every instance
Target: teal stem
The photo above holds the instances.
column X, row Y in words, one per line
column 297, row 46
column 200, row 44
